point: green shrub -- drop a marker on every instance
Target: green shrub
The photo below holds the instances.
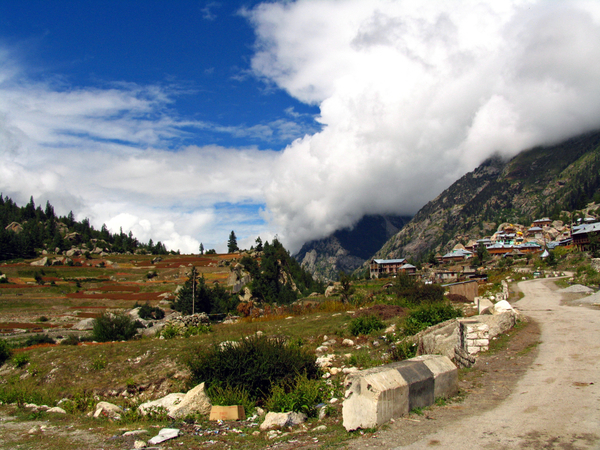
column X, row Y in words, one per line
column 365, row 325
column 114, row 327
column 228, row 396
column 99, row 363
column 169, row 331
column 405, row 349
column 428, row 315
column 196, row 330
column 148, row 312
column 302, row 395
column 71, row 339
column 20, row 360
column 4, row 352
column 39, row 339
column 255, row 364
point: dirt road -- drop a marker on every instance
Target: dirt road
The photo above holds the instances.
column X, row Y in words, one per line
column 556, row 404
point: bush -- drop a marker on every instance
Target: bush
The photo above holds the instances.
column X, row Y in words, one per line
column 365, row 325
column 71, row 339
column 228, row 396
column 114, row 327
column 405, row 349
column 303, row 395
column 4, row 352
column 169, row 331
column 39, row 339
column 255, row 364
column 148, row 312
column 428, row 315
column 20, row 360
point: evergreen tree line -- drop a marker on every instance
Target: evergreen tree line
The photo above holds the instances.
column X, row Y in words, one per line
column 42, row 229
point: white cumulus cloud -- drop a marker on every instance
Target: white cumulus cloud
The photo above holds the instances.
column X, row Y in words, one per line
column 415, row 94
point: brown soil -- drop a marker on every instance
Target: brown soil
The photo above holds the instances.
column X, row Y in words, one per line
column 384, row 312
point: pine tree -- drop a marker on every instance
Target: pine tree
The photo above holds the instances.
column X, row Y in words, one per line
column 232, row 246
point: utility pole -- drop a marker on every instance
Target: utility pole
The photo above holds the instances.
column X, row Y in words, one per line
column 193, row 289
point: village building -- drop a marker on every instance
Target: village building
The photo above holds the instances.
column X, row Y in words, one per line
column 535, row 232
column 543, row 222
column 456, row 255
column 584, row 234
column 387, row 266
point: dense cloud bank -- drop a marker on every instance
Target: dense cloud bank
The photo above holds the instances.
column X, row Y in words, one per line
column 415, row 94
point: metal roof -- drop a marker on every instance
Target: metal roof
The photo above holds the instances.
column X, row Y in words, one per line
column 390, row 261
column 584, row 229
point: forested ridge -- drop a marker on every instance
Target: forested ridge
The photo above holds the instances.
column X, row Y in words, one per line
column 34, row 229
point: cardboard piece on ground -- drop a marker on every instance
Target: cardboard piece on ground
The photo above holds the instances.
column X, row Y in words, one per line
column 227, row 413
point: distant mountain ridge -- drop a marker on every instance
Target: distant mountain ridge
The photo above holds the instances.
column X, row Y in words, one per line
column 347, row 249
column 543, row 181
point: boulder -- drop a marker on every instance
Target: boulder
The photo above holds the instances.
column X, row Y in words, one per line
column 195, row 401
column 279, row 420
column 169, row 403
column 57, row 410
column 73, row 252
column 105, row 409
column 40, row 262
column 85, row 324
column 499, row 323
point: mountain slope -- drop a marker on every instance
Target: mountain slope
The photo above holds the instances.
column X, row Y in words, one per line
column 542, row 181
column 347, row 249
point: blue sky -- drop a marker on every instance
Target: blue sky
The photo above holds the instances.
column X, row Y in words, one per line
column 184, row 120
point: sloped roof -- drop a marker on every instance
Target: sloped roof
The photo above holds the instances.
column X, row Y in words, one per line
column 584, row 229
column 389, row 261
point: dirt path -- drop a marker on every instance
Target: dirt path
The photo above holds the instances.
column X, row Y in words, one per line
column 554, row 405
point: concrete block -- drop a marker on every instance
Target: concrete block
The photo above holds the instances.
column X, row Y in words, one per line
column 377, row 395
column 420, row 382
column 374, row 397
column 485, row 306
column 445, row 374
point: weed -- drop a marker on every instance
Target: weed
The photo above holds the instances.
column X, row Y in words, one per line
column 417, row 411
column 227, row 396
column 529, row 348
column 365, row 325
column 441, row 401
column 43, row 319
column 196, row 330
column 405, row 349
column 81, row 401
column 169, row 331
column 99, row 363
column 300, row 395
column 20, row 360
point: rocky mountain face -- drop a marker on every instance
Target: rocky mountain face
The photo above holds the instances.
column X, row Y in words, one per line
column 543, row 181
column 347, row 249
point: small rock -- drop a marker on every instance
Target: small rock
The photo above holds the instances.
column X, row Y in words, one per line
column 56, row 409
column 348, row 342
column 333, row 400
column 280, row 420
column 139, row 444
column 320, row 428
